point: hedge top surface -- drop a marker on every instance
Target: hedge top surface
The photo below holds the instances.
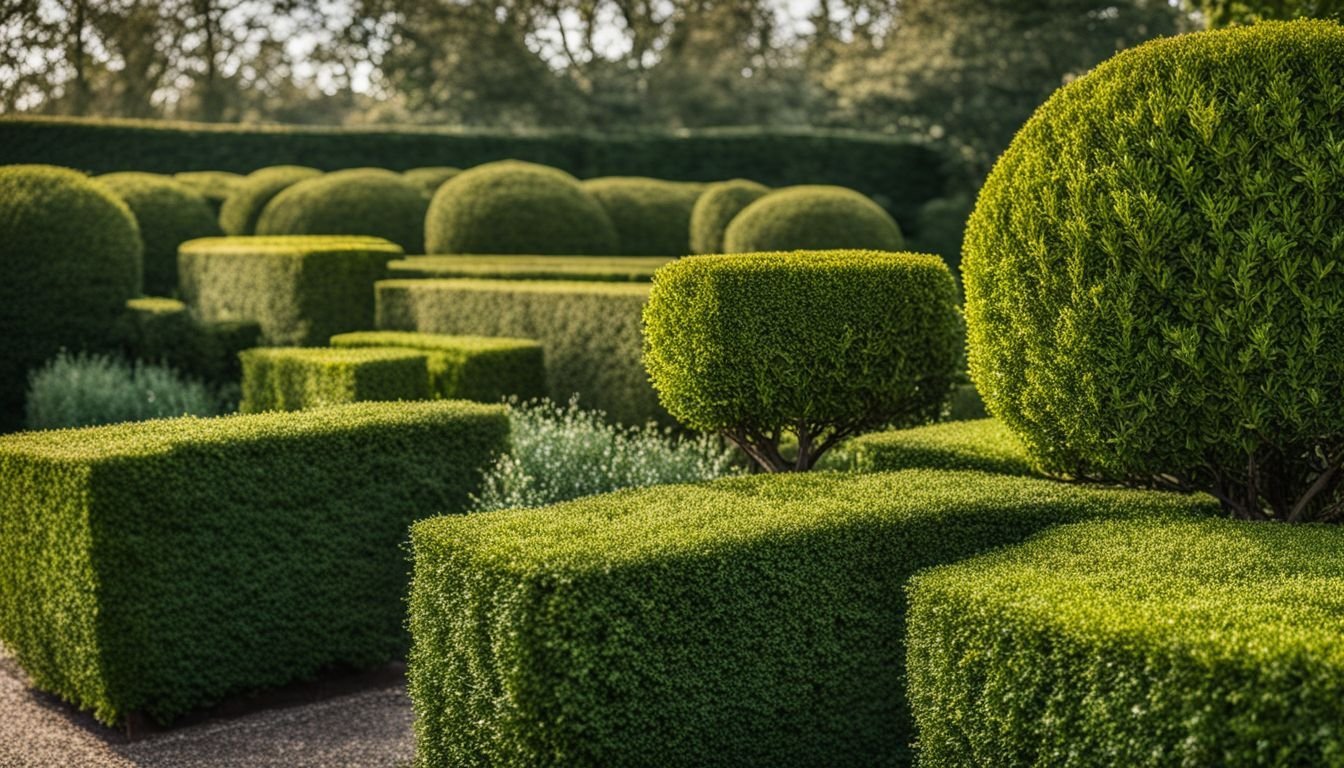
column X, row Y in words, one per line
column 717, row 207
column 981, row 444
column 289, row 245
column 812, row 217
column 241, row 209
column 337, row 356
column 357, row 201
column 430, row 342
column 156, row 305
column 523, row 286
column 602, row 268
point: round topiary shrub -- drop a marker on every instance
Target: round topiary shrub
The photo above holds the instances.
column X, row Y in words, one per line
column 214, row 186
column 69, row 263
column 168, row 214
column 715, row 209
column 430, row 178
column 812, row 218
column 516, row 207
column 358, row 201
column 1152, row 271
column 652, row 217
column 243, row 206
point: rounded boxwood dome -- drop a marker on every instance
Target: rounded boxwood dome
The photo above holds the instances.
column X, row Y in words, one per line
column 652, row 216
column 242, row 208
column 1152, row 271
column 430, row 177
column 214, row 186
column 168, row 214
column 516, row 207
column 812, row 218
column 69, row 261
column 715, row 209
column 358, row 201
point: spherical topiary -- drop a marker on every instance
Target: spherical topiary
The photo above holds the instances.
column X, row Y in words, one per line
column 812, row 218
column 242, row 208
column 431, row 177
column 69, row 261
column 715, row 209
column 515, row 207
column 358, row 201
column 214, row 186
column 1152, row 271
column 168, row 214
column 652, row 217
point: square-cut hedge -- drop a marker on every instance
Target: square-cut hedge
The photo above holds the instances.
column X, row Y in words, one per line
column 1194, row 643
column 611, row 269
column 591, row 331
column 163, row 330
column 157, row 566
column 750, row 621
column 291, row 379
column 300, row 289
column 983, row 444
column 482, row 368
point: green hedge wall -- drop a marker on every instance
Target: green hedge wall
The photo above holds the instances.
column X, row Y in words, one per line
column 160, row 565
column 750, row 621
column 160, row 330
column 983, row 444
column 290, row 379
column 481, row 368
column 609, row 269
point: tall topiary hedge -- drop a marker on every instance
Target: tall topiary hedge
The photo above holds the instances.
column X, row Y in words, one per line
column 813, row 218
column 652, row 216
column 1151, row 271
column 241, row 209
column 358, row 201
column 715, row 208
column 169, row 214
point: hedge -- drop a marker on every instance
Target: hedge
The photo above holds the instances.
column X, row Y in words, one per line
column 812, row 217
column 158, row 566
column 750, row 621
column 652, row 217
column 1125, row 643
column 290, row 379
column 242, row 208
column 589, row 330
column 160, row 330
column 715, row 209
column 169, row 213
column 612, row 269
column 358, row 201
column 985, row 445
column 300, row 289
column 429, row 178
column 479, row 368
column 214, row 186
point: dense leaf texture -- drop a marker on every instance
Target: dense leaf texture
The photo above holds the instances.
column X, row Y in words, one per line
column 214, row 186
column 242, row 208
column 169, row 214
column 611, row 269
column 482, row 368
column 360, row 201
column 290, row 379
column 652, row 217
column 812, row 218
column 715, row 209
column 981, row 444
column 165, row 331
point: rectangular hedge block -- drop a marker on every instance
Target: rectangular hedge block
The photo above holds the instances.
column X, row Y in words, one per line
column 749, row 621
column 981, row 444
column 482, row 368
column 158, row 566
column 291, row 379
column 300, row 289
column 163, row 330
column 613, row 269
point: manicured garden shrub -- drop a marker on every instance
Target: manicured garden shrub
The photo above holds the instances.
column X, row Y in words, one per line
column 214, row 186
column 292, row 379
column 749, row 621
column 590, row 331
column 164, row 331
column 652, row 217
column 984, row 444
column 611, row 269
column 483, row 368
column 514, row 207
column 812, row 218
column 241, row 209
column 941, row 226
column 300, row 289
column 1149, row 271
column 716, row 207
column 70, row 259
column 823, row 345
column 359, row 201
column 1111, row 643
column 84, row 390
column 161, row 565
column 168, row 214
column 429, row 178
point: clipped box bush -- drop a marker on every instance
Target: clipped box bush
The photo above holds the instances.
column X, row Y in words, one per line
column 941, row 227
column 1123, row 643
column 609, row 269
column 983, row 444
column 652, row 217
column 169, row 214
column 590, row 331
column 429, row 178
column 749, row 621
column 715, row 209
column 159, row 566
column 292, row 379
column 358, row 201
column 214, row 186
column 242, row 208
column 163, row 330
column 301, row 290
column 814, row 218
column 482, row 368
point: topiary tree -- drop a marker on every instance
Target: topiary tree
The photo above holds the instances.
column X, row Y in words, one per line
column 1152, row 274
column 243, row 206
column 430, row 178
column 168, row 214
column 652, row 217
column 813, row 218
column 715, row 209
column 516, row 207
column 69, row 262
column 821, row 345
column 357, row 201
column 214, row 186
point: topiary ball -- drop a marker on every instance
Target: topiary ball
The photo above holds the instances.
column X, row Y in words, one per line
column 168, row 214
column 812, row 218
column 214, row 186
column 69, row 260
column 242, row 208
column 358, row 201
column 1152, row 271
column 715, row 209
column 652, row 217
column 430, row 178
column 516, row 207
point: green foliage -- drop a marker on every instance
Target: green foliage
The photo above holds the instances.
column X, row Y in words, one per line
column 359, row 201
column 590, row 331
column 482, row 368
column 214, row 186
column 612, row 269
column 1150, row 272
column 292, row 379
column 813, row 218
column 70, row 259
column 242, row 208
column 749, row 621
column 300, row 289
column 168, row 214
column 85, row 390
column 823, row 345
column 515, row 207
column 161, row 565
column 715, row 209
column 983, row 444
column 941, row 226
column 652, row 217
column 164, row 331
column 430, row 178
column 1134, row 643
column 1221, row 13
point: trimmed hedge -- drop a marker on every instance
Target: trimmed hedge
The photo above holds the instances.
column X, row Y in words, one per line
column 942, row 228
column 290, row 379
column 749, row 621
column 1134, row 643
column 652, row 217
column 241, row 209
column 300, row 289
column 359, row 201
column 812, row 218
column 715, row 209
column 214, row 186
column 610, row 269
column 159, row 566
column 590, row 331
column 985, row 445
column 486, row 369
column 164, row 331
column 168, row 214
column 429, row 178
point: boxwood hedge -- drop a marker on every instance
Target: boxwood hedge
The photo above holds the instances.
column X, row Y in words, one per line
column 241, row 209
column 982, row 444
column 429, row 178
column 812, row 217
column 716, row 208
column 611, row 269
column 652, row 216
column 169, row 213
column 292, row 379
column 482, row 368
column 214, row 186
column 358, row 201
column 160, row 330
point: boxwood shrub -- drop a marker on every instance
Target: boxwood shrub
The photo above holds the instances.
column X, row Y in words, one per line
column 158, row 566
column 652, row 217
column 429, row 178
column 611, row 269
column 160, row 330
column 214, row 186
column 241, row 209
column 292, row 379
column 983, row 444
column 812, row 217
column 169, row 214
column 715, row 209
column 482, row 368
column 358, row 201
